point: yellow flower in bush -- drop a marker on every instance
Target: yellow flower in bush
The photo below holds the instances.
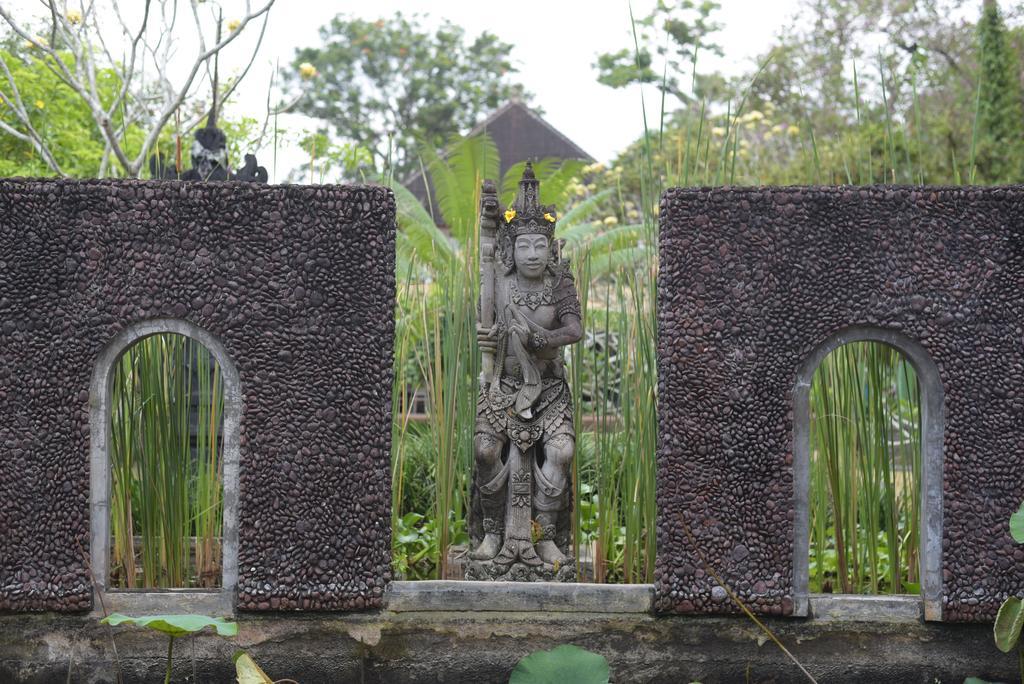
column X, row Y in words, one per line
column 74, row 17
column 307, row 70
column 793, row 130
column 778, row 128
column 610, row 220
column 233, row 25
column 40, row 104
column 768, row 135
column 718, row 131
column 509, row 215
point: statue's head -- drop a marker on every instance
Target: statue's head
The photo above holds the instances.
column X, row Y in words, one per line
column 531, row 253
column 528, row 229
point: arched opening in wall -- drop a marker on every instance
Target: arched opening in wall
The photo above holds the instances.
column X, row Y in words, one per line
column 166, row 402
column 865, row 472
column 868, row 443
column 166, row 465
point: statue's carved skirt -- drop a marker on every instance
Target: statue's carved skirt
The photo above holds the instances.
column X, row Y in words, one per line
column 552, row 412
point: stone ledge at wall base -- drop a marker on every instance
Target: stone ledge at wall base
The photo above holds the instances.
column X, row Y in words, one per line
column 482, row 647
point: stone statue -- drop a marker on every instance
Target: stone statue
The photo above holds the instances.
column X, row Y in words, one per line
column 524, row 442
column 209, row 152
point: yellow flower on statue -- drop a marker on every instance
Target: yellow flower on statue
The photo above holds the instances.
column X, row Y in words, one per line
column 549, row 218
column 509, row 215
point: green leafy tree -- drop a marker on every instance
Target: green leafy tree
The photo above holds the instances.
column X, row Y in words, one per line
column 392, row 85
column 55, row 114
column 1000, row 115
column 675, row 31
column 828, row 105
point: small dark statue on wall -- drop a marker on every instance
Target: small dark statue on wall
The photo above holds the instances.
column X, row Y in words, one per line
column 210, row 159
column 209, row 154
column 524, row 443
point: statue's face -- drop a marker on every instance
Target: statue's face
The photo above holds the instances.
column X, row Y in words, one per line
column 531, row 255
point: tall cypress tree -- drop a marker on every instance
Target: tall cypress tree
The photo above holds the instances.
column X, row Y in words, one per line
column 1000, row 115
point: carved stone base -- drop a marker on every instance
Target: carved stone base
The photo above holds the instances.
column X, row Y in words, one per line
column 489, row 571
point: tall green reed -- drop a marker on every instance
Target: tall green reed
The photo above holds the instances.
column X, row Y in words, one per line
column 450, row 369
column 614, row 470
column 435, row 349
column 865, row 472
column 167, row 492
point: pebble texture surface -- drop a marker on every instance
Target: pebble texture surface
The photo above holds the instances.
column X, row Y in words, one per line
column 751, row 282
column 296, row 282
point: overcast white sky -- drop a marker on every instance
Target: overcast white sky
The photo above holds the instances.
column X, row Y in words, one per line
column 556, row 43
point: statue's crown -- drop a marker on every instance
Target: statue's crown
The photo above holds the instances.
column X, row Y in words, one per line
column 527, row 216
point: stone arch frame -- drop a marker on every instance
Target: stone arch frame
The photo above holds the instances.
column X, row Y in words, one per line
column 932, row 439
column 99, row 441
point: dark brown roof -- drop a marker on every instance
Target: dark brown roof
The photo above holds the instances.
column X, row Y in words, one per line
column 519, row 134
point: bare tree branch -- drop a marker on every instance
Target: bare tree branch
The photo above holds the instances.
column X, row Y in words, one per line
column 176, row 102
column 252, row 58
column 87, row 55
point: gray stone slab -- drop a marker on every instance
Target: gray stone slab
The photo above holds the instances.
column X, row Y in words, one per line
column 849, row 608
column 519, row 597
column 167, row 602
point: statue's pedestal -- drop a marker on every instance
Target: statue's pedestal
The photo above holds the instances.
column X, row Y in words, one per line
column 489, row 571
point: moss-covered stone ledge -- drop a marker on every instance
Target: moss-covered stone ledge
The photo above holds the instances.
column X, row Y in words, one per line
column 483, row 646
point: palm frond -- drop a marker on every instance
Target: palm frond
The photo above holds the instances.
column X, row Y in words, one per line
column 618, row 260
column 582, row 211
column 555, row 176
column 456, row 178
column 418, row 237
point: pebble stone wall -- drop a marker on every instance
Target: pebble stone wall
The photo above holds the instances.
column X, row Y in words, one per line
column 298, row 285
column 751, row 282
